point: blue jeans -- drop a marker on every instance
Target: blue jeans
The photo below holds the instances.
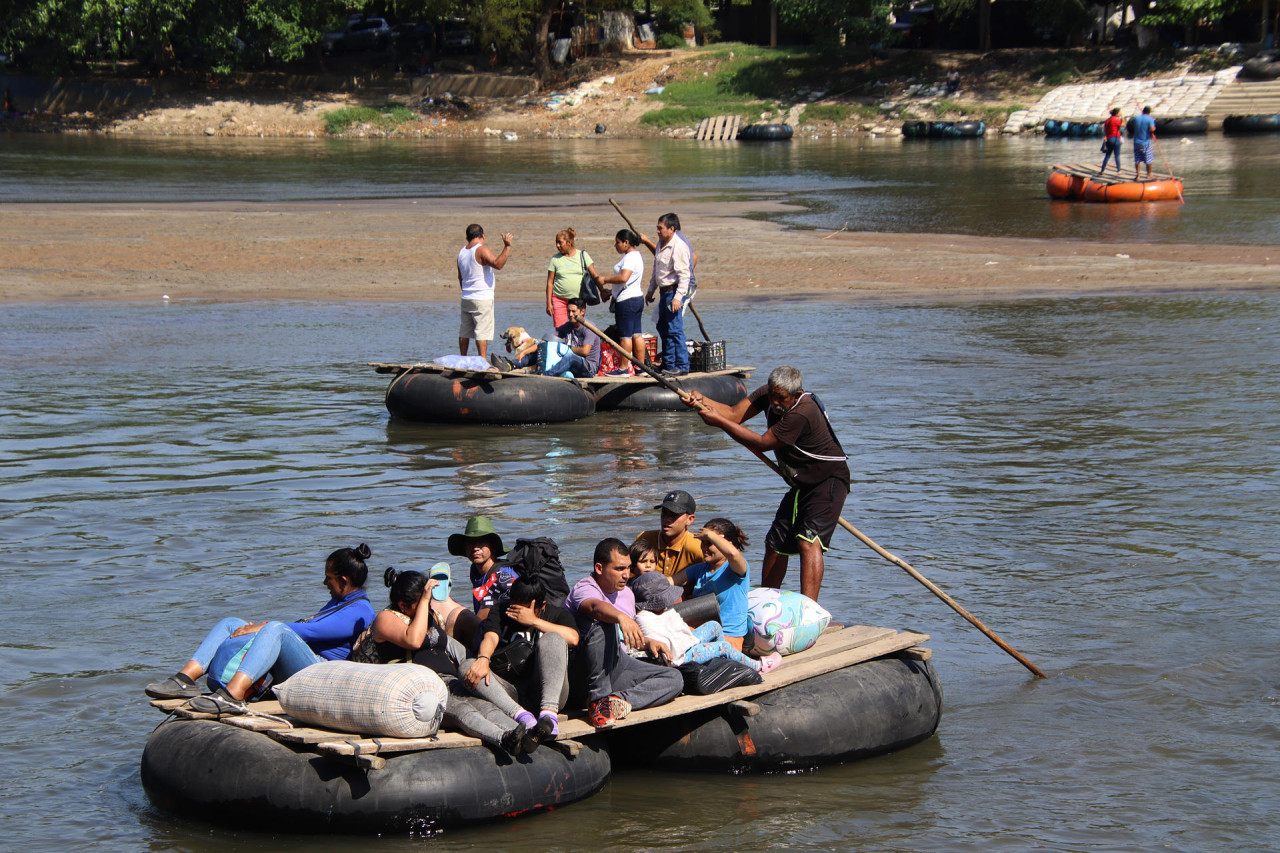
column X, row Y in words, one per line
column 275, row 649
column 675, row 355
column 1112, row 150
column 572, row 363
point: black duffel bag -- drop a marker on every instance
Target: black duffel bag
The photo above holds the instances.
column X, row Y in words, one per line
column 715, row 675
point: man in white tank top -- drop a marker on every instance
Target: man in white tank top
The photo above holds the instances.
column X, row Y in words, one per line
column 475, row 278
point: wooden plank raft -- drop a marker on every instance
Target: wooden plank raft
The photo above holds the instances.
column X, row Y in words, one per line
column 590, row 381
column 1110, row 178
column 837, row 648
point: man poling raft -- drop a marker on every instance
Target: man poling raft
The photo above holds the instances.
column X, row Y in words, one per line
column 866, row 540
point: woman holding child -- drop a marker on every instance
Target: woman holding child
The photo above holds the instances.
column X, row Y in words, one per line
column 409, row 630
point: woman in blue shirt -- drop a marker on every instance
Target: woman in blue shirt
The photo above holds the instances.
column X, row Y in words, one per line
column 724, row 573
column 237, row 654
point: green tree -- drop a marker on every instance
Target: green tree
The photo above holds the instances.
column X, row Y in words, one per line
column 1191, row 14
column 831, row 22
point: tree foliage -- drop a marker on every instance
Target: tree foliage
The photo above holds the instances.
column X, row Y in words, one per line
column 829, row 22
column 1188, row 13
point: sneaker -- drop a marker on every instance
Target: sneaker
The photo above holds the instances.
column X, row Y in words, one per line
column 220, row 703
column 528, row 742
column 621, row 371
column 512, row 741
column 770, row 662
column 548, row 727
column 176, row 686
column 600, row 714
column 619, row 707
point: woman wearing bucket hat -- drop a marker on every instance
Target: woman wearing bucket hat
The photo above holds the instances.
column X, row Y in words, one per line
column 481, row 544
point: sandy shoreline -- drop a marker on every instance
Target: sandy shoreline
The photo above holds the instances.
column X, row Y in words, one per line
column 405, row 250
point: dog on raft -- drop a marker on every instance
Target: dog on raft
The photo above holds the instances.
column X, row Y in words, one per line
column 519, row 342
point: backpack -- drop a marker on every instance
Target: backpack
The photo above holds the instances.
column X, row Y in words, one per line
column 540, row 558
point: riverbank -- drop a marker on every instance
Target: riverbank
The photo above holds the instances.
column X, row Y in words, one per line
column 638, row 94
column 405, row 250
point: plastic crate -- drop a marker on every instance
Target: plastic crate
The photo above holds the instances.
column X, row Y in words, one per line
column 706, row 356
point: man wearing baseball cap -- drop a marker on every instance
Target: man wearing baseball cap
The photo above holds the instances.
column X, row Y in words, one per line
column 675, row 547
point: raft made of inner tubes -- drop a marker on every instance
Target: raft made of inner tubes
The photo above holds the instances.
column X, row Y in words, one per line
column 1084, row 183
column 765, row 133
column 445, row 396
column 943, row 129
column 232, row 776
column 856, row 712
column 633, row 396
column 1251, row 124
column 1072, row 129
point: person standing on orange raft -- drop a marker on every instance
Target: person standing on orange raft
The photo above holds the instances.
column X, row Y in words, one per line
column 1144, row 137
column 1112, row 139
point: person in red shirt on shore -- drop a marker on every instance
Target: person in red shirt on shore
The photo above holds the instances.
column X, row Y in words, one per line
column 1112, row 139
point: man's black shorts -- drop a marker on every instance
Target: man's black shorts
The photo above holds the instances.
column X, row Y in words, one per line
column 809, row 513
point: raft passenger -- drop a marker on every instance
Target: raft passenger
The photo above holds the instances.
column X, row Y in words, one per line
column 628, row 302
column 609, row 680
column 238, row 655
column 480, row 544
column 674, row 546
column 524, row 658
column 564, row 276
column 409, row 631
column 654, row 599
column 723, row 573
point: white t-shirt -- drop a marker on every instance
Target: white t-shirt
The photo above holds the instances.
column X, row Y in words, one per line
column 632, row 262
column 669, row 628
column 477, row 279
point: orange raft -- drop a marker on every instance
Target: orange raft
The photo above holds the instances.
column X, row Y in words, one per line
column 1084, row 183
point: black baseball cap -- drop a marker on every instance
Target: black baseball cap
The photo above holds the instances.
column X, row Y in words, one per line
column 678, row 501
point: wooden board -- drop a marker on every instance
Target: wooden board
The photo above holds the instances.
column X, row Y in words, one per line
column 591, row 381
column 837, row 648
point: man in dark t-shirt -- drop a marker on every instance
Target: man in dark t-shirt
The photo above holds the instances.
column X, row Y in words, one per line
column 811, row 457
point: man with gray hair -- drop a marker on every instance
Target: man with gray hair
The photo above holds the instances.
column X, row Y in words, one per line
column 813, row 461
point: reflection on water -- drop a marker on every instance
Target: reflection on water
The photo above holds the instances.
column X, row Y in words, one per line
column 1095, row 478
column 993, row 187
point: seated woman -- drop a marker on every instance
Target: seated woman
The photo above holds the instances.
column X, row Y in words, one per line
column 237, row 654
column 524, row 658
column 409, row 630
column 460, row 622
column 723, row 572
column 655, row 596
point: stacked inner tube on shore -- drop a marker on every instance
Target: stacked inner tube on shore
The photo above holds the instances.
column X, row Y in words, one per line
column 476, row 398
column 1262, row 68
column 237, row 777
column 867, row 709
column 943, row 129
column 765, row 133
column 1251, row 124
column 1176, row 126
column 1072, row 129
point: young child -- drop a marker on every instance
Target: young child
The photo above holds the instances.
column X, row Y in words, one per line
column 654, row 598
column 724, row 572
column 643, row 559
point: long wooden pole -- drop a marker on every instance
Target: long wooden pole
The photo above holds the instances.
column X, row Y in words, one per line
column 858, row 534
column 633, row 227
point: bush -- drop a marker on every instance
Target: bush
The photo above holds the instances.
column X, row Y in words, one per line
column 671, row 41
column 384, row 117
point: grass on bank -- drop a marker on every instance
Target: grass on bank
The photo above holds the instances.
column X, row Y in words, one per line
column 384, row 117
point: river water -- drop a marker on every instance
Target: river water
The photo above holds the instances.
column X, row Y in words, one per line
column 1095, row 478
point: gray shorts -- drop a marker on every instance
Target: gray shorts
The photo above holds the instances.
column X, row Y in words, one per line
column 477, row 319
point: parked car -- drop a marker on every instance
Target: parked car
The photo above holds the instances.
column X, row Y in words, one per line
column 358, row 35
column 457, row 38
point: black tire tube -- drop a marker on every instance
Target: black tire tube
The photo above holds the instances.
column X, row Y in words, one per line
column 441, row 398
column 232, row 776
column 915, row 129
column 970, row 129
column 1182, row 125
column 860, row 711
column 1261, row 68
column 765, row 133
column 1251, row 123
column 634, row 397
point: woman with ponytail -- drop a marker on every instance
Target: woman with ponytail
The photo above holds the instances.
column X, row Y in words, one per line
column 409, row 630
column 238, row 655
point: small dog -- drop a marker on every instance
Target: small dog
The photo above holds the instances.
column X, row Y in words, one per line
column 519, row 342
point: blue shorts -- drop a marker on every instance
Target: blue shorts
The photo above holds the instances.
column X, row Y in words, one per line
column 1142, row 153
column 628, row 313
